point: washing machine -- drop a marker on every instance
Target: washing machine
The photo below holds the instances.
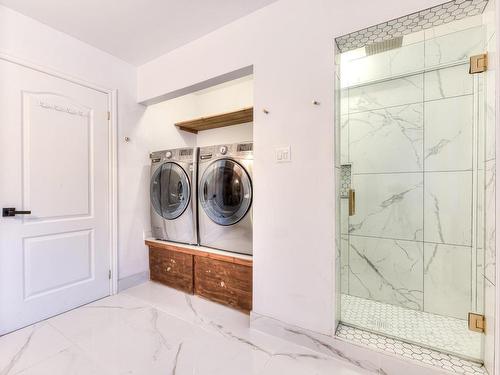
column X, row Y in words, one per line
column 173, row 195
column 225, row 197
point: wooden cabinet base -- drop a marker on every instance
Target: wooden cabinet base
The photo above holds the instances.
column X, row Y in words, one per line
column 223, row 282
column 171, row 268
column 218, row 277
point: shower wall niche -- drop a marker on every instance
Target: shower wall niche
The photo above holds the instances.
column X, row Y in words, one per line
column 417, row 145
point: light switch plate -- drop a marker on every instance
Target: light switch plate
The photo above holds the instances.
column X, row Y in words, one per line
column 283, row 154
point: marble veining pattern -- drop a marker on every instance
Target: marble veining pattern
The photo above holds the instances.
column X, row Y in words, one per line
column 398, row 135
column 489, row 227
column 447, row 208
column 392, row 93
column 430, row 357
column 398, row 281
column 388, row 206
column 152, row 329
column 445, row 49
column 447, row 277
column 449, row 134
column 448, row 82
column 443, row 333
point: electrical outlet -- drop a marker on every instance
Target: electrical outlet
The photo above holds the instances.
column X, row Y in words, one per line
column 283, row 154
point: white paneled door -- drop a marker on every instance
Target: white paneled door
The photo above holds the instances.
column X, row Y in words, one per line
column 54, row 152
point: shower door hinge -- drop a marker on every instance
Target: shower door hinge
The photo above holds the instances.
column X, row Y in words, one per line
column 477, row 322
column 478, row 63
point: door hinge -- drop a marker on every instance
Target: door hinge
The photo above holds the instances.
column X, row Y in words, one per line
column 478, row 63
column 477, row 322
column 109, row 274
column 109, row 115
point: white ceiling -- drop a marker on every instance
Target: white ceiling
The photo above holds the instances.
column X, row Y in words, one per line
column 136, row 31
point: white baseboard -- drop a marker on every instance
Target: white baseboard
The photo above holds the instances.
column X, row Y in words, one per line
column 132, row 280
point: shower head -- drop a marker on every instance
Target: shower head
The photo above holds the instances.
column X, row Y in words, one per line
column 385, row 45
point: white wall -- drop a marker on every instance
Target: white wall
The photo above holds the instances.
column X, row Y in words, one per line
column 157, row 124
column 25, row 38
column 290, row 45
column 221, row 98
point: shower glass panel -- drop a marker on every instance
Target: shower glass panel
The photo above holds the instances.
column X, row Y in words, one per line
column 413, row 152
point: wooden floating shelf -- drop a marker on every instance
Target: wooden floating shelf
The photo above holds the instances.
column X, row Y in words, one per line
column 241, row 116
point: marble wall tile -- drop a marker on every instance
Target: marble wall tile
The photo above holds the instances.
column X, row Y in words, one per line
column 386, row 94
column 452, row 27
column 338, row 115
column 344, row 264
column 344, row 216
column 489, row 225
column 489, row 340
column 480, row 209
column 448, row 125
column 405, row 59
column 448, row 82
column 490, row 98
column 388, row 205
column 490, row 303
column 489, row 18
column 344, row 139
column 447, row 280
column 387, row 271
column 387, row 140
column 478, row 282
column 447, row 207
column 344, row 101
column 454, row 47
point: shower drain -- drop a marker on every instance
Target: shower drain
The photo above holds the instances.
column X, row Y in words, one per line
column 380, row 324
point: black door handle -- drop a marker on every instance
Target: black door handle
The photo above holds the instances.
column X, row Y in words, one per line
column 11, row 211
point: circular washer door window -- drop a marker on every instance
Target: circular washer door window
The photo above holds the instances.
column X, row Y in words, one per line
column 170, row 191
column 225, row 192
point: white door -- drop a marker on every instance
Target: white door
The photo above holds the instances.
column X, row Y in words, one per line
column 54, row 163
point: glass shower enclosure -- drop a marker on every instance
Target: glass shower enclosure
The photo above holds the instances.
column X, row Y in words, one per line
column 415, row 160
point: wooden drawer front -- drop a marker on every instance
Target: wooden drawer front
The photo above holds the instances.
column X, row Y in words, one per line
column 223, row 282
column 171, row 268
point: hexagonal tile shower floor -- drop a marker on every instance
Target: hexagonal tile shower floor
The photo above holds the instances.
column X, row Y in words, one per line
column 434, row 358
column 447, row 335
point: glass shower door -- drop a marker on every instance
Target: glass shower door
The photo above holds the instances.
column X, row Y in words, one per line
column 413, row 147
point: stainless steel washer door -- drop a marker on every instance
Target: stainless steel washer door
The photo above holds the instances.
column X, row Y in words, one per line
column 225, row 192
column 170, row 191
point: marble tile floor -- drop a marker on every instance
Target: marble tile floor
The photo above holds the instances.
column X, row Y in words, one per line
column 443, row 333
column 151, row 329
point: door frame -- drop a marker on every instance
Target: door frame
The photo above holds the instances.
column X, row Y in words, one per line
column 112, row 156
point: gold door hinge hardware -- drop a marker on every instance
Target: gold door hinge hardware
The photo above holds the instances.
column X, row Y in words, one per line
column 352, row 202
column 477, row 322
column 478, row 63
